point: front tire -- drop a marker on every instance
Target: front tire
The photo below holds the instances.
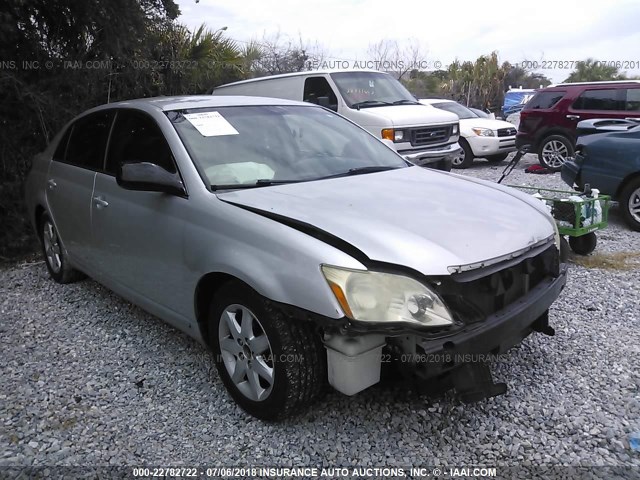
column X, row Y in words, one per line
column 465, row 158
column 554, row 152
column 54, row 254
column 271, row 364
column 630, row 204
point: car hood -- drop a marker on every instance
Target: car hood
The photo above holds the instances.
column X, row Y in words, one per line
column 484, row 123
column 425, row 220
column 405, row 115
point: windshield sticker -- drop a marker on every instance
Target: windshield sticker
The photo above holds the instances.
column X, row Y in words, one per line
column 211, row 124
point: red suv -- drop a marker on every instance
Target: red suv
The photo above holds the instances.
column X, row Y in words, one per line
column 548, row 121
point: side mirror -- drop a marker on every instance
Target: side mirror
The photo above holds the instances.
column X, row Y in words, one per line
column 324, row 102
column 149, row 177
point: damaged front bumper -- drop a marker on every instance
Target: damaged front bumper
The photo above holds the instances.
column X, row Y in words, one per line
column 462, row 355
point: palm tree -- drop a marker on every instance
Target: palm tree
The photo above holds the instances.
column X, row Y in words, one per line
column 591, row 70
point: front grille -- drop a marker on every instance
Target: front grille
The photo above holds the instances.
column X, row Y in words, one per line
column 507, row 132
column 429, row 135
column 473, row 301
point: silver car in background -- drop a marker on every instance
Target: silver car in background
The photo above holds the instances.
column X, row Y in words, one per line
column 295, row 245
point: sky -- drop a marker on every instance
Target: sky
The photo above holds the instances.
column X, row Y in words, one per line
column 550, row 34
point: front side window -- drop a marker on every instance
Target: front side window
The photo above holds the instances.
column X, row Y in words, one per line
column 316, row 88
column 88, row 140
column 605, row 99
column 371, row 89
column 137, row 138
column 633, row 99
column 544, row 100
column 242, row 146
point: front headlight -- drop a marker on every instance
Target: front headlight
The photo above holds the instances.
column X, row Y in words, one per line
column 384, row 297
column 454, row 130
column 483, row 132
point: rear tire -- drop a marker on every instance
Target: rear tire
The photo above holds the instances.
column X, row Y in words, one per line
column 554, row 151
column 55, row 257
column 630, row 204
column 584, row 244
column 465, row 159
column 499, row 157
column 272, row 365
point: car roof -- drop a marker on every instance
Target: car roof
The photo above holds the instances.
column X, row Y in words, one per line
column 298, row 74
column 198, row 101
column 612, row 83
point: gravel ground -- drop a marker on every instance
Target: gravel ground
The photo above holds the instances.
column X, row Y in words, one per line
column 89, row 379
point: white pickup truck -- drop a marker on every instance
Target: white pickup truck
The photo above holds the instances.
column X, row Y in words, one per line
column 374, row 100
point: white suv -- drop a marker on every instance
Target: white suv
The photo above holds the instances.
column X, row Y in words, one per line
column 479, row 137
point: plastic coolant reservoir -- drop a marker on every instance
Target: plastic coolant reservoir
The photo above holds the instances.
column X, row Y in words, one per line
column 353, row 363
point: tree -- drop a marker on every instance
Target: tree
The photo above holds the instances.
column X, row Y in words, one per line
column 279, row 53
column 591, row 70
column 396, row 58
column 61, row 57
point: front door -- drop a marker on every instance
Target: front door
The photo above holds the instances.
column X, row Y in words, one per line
column 138, row 236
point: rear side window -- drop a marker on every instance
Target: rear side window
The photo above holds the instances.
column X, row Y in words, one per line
column 88, row 140
column 633, row 99
column 543, row 100
column 605, row 99
column 61, row 149
column 137, row 138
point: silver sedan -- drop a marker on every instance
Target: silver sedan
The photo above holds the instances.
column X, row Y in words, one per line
column 295, row 245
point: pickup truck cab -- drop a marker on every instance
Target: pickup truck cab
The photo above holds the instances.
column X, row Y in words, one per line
column 374, row 100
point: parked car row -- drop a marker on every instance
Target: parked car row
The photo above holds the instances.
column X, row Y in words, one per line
column 548, row 121
column 479, row 137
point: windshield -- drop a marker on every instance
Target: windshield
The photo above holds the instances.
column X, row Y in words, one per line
column 371, row 89
column 460, row 110
column 236, row 147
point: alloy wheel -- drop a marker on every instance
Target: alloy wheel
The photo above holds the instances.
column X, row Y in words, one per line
column 246, row 352
column 555, row 153
column 52, row 248
column 634, row 205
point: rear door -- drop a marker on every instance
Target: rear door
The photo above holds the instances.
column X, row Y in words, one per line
column 139, row 235
column 70, row 180
column 599, row 103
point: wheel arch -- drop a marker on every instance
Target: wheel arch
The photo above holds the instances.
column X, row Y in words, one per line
column 626, row 181
column 206, row 288
column 37, row 219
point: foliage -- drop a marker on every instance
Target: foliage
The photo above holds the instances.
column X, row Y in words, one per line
column 64, row 56
column 478, row 84
column 591, row 70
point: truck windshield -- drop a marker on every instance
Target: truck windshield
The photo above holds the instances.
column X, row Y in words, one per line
column 259, row 146
column 371, row 89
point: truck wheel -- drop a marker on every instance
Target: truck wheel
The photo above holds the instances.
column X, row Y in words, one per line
column 584, row 244
column 272, row 365
column 554, row 151
column 465, row 158
column 54, row 256
column 499, row 157
column 630, row 204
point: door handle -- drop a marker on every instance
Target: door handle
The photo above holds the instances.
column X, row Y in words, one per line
column 573, row 117
column 51, row 184
column 100, row 202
